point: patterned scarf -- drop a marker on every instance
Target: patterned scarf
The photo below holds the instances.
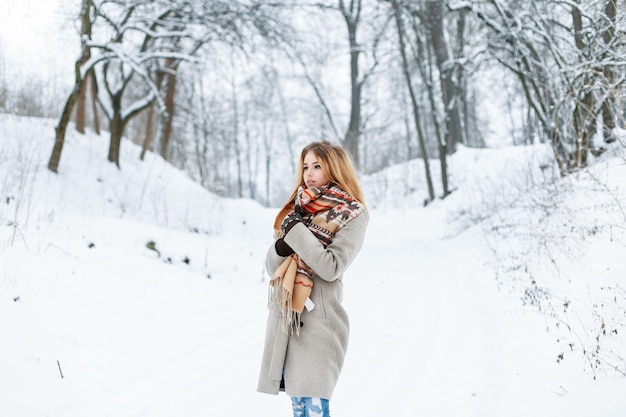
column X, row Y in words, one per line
column 327, row 209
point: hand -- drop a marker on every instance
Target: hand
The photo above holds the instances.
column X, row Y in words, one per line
column 299, row 210
column 290, row 221
column 282, row 248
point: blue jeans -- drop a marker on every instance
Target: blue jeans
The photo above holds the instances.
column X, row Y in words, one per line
column 310, row 407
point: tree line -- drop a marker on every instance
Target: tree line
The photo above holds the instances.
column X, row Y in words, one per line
column 230, row 90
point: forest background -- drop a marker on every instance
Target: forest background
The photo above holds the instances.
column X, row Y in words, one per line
column 229, row 91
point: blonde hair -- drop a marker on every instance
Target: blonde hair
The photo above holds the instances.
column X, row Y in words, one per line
column 336, row 165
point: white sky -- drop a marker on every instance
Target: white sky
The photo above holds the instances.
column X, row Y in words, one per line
column 36, row 37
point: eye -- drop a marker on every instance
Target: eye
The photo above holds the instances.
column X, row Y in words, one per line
column 318, row 166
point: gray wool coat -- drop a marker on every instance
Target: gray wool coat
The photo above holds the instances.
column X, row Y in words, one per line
column 313, row 360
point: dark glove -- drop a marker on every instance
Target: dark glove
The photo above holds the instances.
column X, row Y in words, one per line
column 290, row 221
column 299, row 210
column 282, row 248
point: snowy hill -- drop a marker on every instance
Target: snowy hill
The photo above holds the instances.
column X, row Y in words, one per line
column 136, row 292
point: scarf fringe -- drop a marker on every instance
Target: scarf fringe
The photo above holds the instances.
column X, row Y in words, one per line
column 279, row 298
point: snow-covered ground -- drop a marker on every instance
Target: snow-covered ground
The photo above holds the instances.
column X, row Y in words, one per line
column 135, row 292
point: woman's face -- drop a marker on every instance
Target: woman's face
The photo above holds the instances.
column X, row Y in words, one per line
column 313, row 175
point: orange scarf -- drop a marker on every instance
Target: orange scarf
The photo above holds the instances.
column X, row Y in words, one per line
column 327, row 209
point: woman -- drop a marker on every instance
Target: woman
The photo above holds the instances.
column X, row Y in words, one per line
column 318, row 233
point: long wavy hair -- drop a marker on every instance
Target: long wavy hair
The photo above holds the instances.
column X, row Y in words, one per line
column 336, row 165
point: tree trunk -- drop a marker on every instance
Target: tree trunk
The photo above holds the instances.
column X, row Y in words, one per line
column 90, row 83
column 609, row 103
column 351, row 140
column 426, row 71
column 453, row 130
column 85, row 32
column 147, row 141
column 117, row 130
column 416, row 113
column 237, row 148
column 168, row 117
column 80, row 108
column 94, row 101
column 353, row 134
column 118, row 123
column 61, row 128
column 584, row 116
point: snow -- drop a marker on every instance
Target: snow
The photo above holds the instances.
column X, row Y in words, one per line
column 97, row 321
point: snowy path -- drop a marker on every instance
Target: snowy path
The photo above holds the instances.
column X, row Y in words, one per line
column 432, row 336
column 418, row 344
column 416, row 321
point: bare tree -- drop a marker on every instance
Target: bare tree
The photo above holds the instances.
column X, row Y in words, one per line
column 584, row 115
column 447, row 69
column 90, row 79
column 424, row 63
column 3, row 82
column 356, row 18
column 151, row 36
column 121, row 19
column 612, row 52
column 352, row 12
column 81, row 67
column 416, row 111
column 118, row 71
column 560, row 66
column 171, row 67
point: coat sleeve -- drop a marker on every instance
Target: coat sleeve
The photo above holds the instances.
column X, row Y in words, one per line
column 331, row 262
